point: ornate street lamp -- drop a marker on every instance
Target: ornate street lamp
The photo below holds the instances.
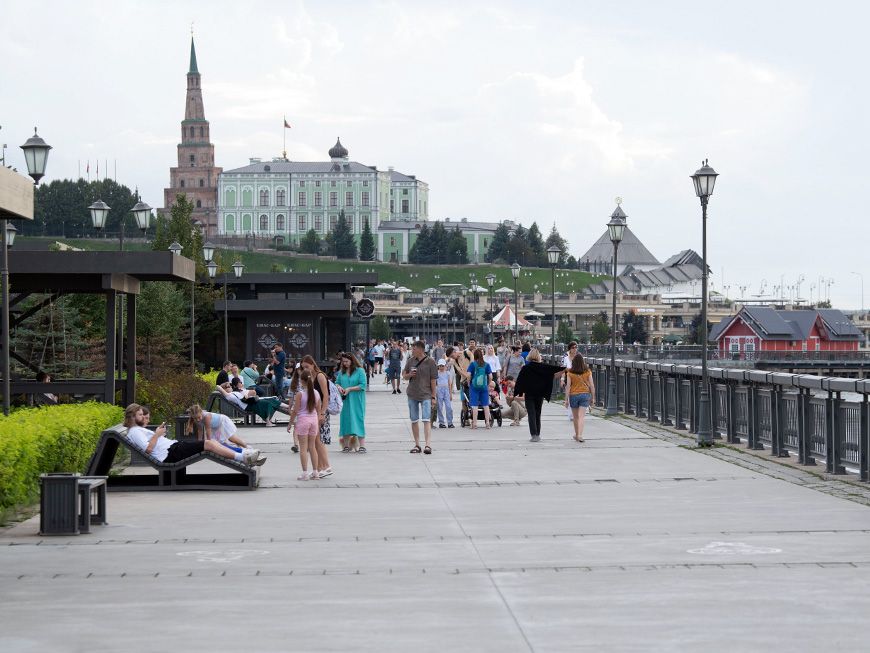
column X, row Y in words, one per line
column 208, row 252
column 99, row 212
column 616, row 229
column 143, row 215
column 704, row 180
column 36, row 156
column 464, row 291
column 515, row 272
column 490, row 280
column 553, row 255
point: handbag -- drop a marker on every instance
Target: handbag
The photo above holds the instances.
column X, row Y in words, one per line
column 336, row 403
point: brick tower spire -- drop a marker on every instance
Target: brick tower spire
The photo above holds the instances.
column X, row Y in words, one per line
column 196, row 174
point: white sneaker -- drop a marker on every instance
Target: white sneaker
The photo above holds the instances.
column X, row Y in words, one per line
column 250, row 456
column 326, row 472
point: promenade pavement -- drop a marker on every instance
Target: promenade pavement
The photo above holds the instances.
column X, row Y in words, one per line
column 627, row 542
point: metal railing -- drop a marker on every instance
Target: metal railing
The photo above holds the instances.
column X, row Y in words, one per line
column 786, row 414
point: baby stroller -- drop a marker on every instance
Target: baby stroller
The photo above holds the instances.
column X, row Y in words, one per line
column 465, row 415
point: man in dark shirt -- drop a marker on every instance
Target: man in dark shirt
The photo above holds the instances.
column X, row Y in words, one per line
column 224, row 375
column 421, row 372
column 279, row 360
column 394, row 370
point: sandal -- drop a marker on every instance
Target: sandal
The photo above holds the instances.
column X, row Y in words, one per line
column 345, row 450
column 295, row 448
column 361, row 450
column 427, row 449
column 416, row 449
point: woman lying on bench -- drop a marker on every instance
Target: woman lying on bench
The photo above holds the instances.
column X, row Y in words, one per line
column 164, row 450
column 213, row 426
column 248, row 401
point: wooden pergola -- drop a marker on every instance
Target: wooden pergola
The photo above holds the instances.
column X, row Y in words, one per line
column 112, row 274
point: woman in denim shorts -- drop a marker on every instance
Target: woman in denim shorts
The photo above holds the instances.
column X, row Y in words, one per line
column 579, row 392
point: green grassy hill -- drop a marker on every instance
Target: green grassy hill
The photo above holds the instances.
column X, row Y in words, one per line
column 415, row 277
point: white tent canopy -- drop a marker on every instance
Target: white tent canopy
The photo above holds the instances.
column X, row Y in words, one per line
column 384, row 286
column 504, row 290
column 534, row 314
column 402, row 289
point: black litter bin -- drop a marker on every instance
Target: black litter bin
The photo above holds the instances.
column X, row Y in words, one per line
column 58, row 504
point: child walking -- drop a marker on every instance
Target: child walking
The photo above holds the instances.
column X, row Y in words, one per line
column 444, row 395
column 306, row 408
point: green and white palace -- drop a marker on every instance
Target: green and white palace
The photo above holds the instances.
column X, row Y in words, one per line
column 283, row 199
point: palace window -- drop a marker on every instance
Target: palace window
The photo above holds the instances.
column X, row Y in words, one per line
column 486, row 242
column 318, row 223
column 317, row 184
column 301, row 198
column 365, row 184
column 201, row 132
column 264, row 223
column 333, row 198
column 405, row 206
column 192, row 159
column 264, row 197
column 199, row 204
column 348, row 198
column 333, row 220
column 332, row 184
column 302, row 184
column 349, row 184
column 191, row 132
column 318, row 198
column 392, row 241
column 201, row 183
column 349, row 220
column 404, row 191
column 279, row 223
column 301, row 225
column 280, row 197
column 365, row 198
column 182, row 183
column 392, row 206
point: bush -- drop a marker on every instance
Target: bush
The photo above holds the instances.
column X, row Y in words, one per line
column 170, row 395
column 284, row 248
column 36, row 441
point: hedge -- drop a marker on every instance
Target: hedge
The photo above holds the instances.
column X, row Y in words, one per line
column 36, row 441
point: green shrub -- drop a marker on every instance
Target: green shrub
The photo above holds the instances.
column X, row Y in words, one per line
column 170, row 395
column 36, row 441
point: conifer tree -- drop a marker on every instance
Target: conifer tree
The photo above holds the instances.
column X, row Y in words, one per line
column 498, row 245
column 556, row 239
column 366, row 243
column 343, row 243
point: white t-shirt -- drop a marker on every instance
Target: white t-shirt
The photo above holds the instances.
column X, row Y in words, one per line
column 494, row 365
column 141, row 436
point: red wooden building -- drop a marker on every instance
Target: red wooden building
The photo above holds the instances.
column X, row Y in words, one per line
column 761, row 328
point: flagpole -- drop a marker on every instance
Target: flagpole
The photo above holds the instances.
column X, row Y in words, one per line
column 284, row 129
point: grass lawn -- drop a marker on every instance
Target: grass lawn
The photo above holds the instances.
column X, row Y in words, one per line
column 415, row 277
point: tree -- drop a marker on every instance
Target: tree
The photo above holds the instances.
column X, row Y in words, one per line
column 440, row 239
column 379, row 328
column 634, row 328
column 535, row 241
column 825, row 303
column 498, row 244
column 555, row 239
column 343, row 244
column 694, row 335
column 604, row 317
column 517, row 250
column 457, row 249
column 66, row 201
column 571, row 263
column 600, row 332
column 366, row 243
column 168, row 336
column 310, row 243
column 564, row 334
column 421, row 250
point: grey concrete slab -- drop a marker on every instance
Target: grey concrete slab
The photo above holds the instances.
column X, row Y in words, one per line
column 492, row 543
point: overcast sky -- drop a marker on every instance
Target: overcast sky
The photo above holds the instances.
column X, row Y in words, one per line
column 530, row 111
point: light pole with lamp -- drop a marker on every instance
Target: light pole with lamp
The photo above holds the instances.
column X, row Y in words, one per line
column 35, row 156
column 553, row 254
column 464, row 291
column 490, row 281
column 616, row 229
column 704, row 180
column 238, row 268
column 515, row 272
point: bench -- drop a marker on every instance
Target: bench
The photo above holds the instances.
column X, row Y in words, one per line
column 70, row 503
column 168, row 476
column 228, row 408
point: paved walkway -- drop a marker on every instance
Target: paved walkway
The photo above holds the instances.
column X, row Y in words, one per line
column 628, row 542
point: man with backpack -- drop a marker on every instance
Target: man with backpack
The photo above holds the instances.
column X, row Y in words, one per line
column 421, row 372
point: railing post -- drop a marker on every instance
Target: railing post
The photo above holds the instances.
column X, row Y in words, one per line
column 650, row 397
column 777, row 447
column 805, row 446
column 834, row 427
column 663, row 388
column 864, row 439
column 731, row 420
column 752, row 418
column 678, row 403
column 638, row 385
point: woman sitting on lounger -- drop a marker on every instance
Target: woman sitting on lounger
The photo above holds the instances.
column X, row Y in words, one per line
column 263, row 407
column 213, row 426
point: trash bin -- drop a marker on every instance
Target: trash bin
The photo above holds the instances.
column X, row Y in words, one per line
column 58, row 504
column 181, row 428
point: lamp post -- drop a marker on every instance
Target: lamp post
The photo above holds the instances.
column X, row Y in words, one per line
column 464, row 291
column 616, row 229
column 515, row 271
column 490, row 281
column 553, row 254
column 175, row 248
column 704, row 180
column 35, row 156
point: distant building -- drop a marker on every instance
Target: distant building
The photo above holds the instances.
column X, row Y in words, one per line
column 633, row 255
column 761, row 328
column 680, row 276
column 196, row 175
column 283, row 199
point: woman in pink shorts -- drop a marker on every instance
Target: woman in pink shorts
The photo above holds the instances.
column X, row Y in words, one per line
column 306, row 409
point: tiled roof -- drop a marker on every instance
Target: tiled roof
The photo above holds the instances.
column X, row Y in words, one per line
column 302, row 167
column 631, row 250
